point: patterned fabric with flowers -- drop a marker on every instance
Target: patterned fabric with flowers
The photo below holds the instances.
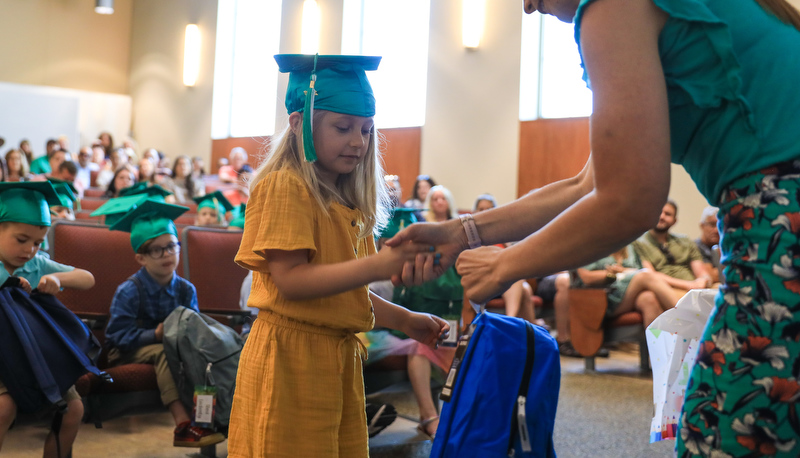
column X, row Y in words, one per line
column 743, row 392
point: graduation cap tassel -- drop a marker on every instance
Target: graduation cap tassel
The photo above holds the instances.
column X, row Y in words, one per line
column 308, row 116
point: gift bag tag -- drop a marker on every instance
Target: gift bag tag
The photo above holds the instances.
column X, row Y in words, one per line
column 452, row 336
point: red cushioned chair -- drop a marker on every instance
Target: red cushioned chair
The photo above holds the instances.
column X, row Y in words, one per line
column 109, row 257
column 208, row 264
column 94, row 193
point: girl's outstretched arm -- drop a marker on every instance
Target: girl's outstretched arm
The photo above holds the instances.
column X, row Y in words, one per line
column 423, row 327
column 297, row 279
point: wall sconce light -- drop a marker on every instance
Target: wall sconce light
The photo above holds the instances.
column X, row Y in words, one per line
column 473, row 16
column 104, row 6
column 191, row 55
column 309, row 43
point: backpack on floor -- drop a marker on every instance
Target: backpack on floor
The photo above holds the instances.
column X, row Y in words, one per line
column 501, row 392
column 201, row 351
column 45, row 348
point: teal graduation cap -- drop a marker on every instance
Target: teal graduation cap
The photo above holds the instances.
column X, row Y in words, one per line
column 401, row 218
column 330, row 82
column 27, row 202
column 155, row 192
column 118, row 207
column 215, row 200
column 238, row 220
column 149, row 220
column 65, row 193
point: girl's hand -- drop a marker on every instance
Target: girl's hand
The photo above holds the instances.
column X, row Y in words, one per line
column 49, row 284
column 449, row 239
column 394, row 258
column 426, row 329
column 478, row 273
column 25, row 284
column 615, row 269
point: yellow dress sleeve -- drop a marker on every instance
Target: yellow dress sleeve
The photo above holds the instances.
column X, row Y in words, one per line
column 279, row 216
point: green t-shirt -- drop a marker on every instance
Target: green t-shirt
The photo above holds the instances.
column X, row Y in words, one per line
column 673, row 259
column 41, row 165
column 731, row 71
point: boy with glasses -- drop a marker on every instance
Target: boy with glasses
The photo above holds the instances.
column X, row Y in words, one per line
column 143, row 302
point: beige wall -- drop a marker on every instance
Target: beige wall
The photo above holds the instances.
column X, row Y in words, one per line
column 470, row 140
column 65, row 44
column 167, row 115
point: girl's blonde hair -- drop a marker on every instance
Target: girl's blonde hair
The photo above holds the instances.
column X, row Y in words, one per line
column 783, row 10
column 363, row 188
column 452, row 212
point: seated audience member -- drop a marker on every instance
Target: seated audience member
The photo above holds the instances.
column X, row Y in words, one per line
column 147, row 171
column 66, row 171
column 85, row 167
column 198, row 167
column 238, row 159
column 211, row 209
column 708, row 243
column 123, row 178
column 17, row 165
column 107, row 142
column 99, row 155
column 67, row 195
column 395, row 191
column 519, row 296
column 117, row 160
column 24, row 220
column 183, row 184
column 142, row 303
column 675, row 258
column 422, row 186
column 129, row 145
column 628, row 286
column 63, row 142
column 25, row 147
column 41, row 165
column 439, row 205
column 241, row 193
column 221, row 162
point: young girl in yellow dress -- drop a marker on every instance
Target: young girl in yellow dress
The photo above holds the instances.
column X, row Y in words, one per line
column 308, row 238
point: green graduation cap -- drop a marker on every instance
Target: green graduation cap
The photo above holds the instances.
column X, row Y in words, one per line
column 118, row 207
column 334, row 83
column 149, row 220
column 238, row 220
column 401, row 217
column 65, row 193
column 155, row 191
column 27, row 202
column 215, row 200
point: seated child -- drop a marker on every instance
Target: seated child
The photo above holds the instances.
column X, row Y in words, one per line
column 67, row 195
column 237, row 223
column 143, row 302
column 211, row 209
column 24, row 219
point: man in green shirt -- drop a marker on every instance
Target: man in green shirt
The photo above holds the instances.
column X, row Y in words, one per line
column 674, row 257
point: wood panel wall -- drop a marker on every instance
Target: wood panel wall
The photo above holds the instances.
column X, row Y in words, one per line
column 551, row 150
column 401, row 153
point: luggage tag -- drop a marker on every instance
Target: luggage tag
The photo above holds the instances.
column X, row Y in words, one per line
column 452, row 375
column 205, row 400
column 452, row 337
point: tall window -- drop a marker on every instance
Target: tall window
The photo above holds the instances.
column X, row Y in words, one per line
column 398, row 31
column 551, row 74
column 245, row 75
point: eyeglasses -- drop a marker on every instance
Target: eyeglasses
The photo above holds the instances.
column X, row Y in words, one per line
column 158, row 251
column 665, row 251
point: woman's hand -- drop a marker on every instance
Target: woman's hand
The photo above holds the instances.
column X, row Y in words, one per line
column 478, row 270
column 449, row 240
column 426, row 329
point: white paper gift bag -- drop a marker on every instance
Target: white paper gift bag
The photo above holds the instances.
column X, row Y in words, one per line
column 672, row 341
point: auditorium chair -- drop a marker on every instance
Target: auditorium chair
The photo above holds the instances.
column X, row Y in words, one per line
column 94, row 193
column 208, row 263
column 590, row 328
column 109, row 257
